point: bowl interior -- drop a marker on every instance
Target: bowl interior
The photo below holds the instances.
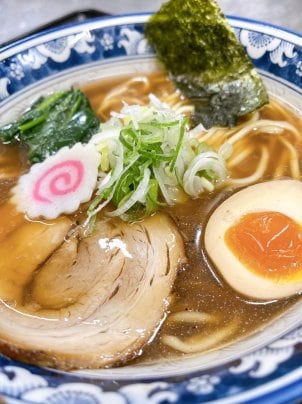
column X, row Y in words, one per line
column 103, row 70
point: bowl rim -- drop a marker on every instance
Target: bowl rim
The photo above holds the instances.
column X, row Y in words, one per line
column 71, row 27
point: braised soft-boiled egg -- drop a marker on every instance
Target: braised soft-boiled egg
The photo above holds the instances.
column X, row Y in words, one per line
column 255, row 239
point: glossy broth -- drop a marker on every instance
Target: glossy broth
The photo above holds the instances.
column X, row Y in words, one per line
column 198, row 286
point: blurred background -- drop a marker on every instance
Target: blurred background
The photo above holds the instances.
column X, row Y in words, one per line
column 20, row 17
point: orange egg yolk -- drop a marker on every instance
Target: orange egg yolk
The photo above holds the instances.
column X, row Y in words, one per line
column 268, row 243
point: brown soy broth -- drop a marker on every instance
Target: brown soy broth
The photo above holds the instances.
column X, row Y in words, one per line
column 275, row 111
column 111, row 94
column 198, row 286
column 13, row 163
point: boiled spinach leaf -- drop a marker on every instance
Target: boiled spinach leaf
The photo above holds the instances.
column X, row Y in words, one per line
column 52, row 122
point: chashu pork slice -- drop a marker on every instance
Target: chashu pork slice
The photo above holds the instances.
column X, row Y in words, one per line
column 95, row 302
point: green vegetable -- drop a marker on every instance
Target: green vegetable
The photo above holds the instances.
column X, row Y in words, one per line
column 150, row 160
column 142, row 149
column 198, row 47
column 60, row 119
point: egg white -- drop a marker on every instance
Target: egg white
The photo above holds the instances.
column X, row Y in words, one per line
column 283, row 196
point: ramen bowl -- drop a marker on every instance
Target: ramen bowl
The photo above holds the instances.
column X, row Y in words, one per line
column 261, row 367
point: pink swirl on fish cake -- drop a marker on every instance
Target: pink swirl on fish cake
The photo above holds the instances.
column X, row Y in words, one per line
column 59, row 184
column 61, row 179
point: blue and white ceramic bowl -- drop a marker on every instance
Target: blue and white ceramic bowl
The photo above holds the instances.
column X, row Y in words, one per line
column 265, row 367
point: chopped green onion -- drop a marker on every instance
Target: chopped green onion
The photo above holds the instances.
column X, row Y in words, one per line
column 179, row 142
column 152, row 197
column 148, row 158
